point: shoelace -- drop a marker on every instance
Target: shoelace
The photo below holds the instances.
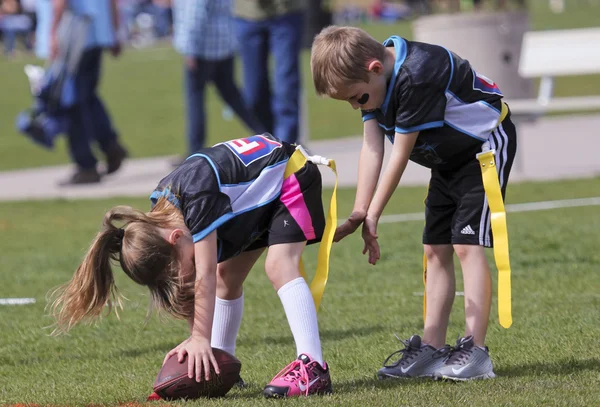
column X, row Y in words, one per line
column 295, row 371
column 407, row 353
column 455, row 354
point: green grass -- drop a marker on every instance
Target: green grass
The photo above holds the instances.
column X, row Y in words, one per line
column 143, row 93
column 548, row 357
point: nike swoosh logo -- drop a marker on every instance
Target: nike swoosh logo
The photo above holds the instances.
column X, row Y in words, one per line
column 459, row 371
column 403, row 370
column 303, row 387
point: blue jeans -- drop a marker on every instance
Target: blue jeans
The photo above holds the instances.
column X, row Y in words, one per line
column 221, row 74
column 89, row 120
column 281, row 36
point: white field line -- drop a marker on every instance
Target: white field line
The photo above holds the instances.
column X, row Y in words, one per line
column 16, row 301
column 523, row 207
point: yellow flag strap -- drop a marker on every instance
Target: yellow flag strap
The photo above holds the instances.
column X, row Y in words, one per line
column 491, row 185
column 493, row 193
column 298, row 160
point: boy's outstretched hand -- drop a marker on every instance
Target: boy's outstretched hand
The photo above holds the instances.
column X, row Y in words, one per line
column 369, row 235
column 349, row 226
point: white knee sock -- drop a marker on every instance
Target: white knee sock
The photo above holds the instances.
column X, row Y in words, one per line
column 226, row 323
column 302, row 316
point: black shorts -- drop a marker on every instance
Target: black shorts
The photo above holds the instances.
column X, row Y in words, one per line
column 456, row 208
column 297, row 215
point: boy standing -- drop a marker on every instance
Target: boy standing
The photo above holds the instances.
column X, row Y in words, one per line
column 440, row 113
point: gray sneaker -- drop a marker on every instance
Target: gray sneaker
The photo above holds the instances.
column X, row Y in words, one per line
column 414, row 361
column 465, row 361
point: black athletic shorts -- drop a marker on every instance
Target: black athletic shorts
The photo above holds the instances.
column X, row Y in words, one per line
column 456, row 208
column 297, row 215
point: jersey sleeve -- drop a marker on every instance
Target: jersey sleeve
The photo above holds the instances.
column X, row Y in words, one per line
column 203, row 206
column 367, row 115
column 421, row 99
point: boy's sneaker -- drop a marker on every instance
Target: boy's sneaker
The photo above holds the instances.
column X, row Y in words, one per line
column 414, row 361
column 466, row 362
column 302, row 377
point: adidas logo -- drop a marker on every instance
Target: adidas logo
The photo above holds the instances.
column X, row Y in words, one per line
column 467, row 230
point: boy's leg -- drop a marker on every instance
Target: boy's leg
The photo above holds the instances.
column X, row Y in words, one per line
column 420, row 358
column 229, row 305
column 440, row 289
column 478, row 290
column 437, row 235
column 471, row 233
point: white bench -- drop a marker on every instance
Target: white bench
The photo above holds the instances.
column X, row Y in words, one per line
column 547, row 54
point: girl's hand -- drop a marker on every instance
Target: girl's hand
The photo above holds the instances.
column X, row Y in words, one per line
column 200, row 356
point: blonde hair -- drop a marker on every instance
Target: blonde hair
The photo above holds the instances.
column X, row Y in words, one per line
column 143, row 254
column 340, row 56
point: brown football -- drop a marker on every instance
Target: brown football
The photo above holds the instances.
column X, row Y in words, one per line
column 173, row 382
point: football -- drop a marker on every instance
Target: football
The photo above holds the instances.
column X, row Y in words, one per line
column 173, row 383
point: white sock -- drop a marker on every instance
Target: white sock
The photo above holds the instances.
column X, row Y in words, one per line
column 226, row 323
column 302, row 316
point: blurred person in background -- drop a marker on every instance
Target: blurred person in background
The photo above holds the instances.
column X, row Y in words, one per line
column 203, row 36
column 89, row 120
column 275, row 27
column 12, row 23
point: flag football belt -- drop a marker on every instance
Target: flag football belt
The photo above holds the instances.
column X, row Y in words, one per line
column 491, row 185
column 296, row 162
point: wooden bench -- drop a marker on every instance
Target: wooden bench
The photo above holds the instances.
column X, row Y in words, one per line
column 548, row 54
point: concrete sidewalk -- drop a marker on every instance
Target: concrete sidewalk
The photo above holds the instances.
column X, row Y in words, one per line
column 551, row 148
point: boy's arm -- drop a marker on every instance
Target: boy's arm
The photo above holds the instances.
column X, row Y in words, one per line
column 369, row 168
column 403, row 145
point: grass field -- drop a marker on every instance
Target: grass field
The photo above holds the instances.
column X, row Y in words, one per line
column 549, row 357
column 143, row 93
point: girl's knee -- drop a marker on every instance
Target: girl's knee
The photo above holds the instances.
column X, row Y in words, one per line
column 281, row 271
column 228, row 286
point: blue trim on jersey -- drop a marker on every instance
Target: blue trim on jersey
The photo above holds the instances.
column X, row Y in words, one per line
column 212, row 164
column 369, row 116
column 202, row 234
column 385, row 128
column 167, row 194
column 464, row 132
column 456, row 97
column 228, row 216
column 251, row 181
column 490, row 106
column 420, row 127
column 400, row 48
column 451, row 69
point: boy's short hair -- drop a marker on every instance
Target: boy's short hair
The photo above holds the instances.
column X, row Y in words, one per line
column 340, row 56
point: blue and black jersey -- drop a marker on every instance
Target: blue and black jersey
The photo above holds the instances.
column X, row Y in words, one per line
column 439, row 94
column 228, row 188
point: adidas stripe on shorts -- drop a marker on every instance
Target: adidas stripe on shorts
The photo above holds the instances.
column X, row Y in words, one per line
column 456, row 208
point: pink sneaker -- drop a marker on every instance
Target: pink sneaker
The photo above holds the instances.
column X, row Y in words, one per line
column 303, row 376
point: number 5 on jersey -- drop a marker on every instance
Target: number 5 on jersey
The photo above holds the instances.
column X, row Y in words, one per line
column 253, row 148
